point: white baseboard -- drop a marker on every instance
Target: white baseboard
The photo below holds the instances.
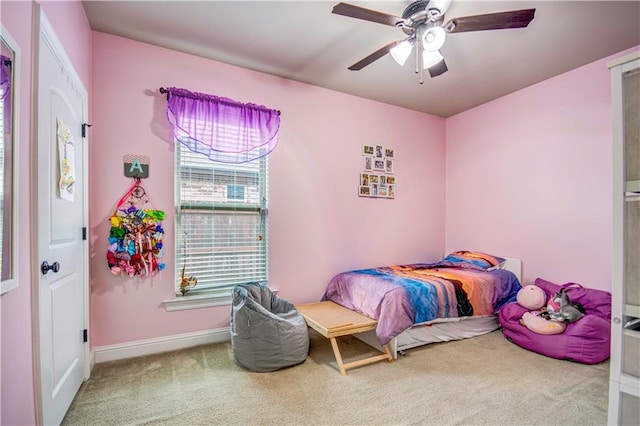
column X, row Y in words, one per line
column 160, row 344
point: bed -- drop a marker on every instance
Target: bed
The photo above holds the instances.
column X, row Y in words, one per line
column 455, row 298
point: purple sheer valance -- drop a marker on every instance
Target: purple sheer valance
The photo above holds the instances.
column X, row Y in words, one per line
column 220, row 128
column 5, row 93
column 5, row 76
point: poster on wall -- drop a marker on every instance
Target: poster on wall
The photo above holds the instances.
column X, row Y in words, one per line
column 66, row 156
column 377, row 180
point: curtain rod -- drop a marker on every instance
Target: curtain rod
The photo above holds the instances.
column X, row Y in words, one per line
column 166, row 92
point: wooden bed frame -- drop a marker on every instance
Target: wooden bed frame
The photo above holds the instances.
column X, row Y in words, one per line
column 443, row 330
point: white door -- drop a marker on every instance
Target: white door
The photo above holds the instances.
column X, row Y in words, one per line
column 60, row 220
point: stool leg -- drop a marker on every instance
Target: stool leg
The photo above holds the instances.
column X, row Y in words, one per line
column 388, row 352
column 336, row 352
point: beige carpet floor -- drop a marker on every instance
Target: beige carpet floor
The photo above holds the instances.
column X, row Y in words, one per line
column 485, row 380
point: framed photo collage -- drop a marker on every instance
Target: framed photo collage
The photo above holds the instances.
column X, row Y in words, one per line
column 377, row 179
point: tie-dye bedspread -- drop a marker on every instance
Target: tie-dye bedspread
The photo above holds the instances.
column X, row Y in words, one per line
column 404, row 295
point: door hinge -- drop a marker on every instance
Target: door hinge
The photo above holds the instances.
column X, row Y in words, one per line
column 84, row 129
column 84, row 233
column 85, row 336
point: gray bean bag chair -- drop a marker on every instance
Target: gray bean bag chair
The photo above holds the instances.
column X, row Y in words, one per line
column 267, row 332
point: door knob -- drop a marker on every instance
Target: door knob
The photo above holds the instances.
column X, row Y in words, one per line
column 45, row 267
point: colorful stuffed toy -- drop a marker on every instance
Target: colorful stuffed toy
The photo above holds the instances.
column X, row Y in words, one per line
column 552, row 318
column 534, row 298
column 560, row 308
column 135, row 237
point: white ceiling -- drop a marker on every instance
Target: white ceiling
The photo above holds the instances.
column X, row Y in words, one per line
column 304, row 41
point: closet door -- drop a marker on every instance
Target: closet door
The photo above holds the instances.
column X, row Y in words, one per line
column 624, row 389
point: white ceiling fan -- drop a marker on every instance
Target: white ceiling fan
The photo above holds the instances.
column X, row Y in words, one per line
column 422, row 21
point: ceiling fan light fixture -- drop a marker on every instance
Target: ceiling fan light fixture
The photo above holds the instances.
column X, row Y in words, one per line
column 437, row 8
column 422, row 21
column 433, row 38
column 430, row 59
column 401, row 52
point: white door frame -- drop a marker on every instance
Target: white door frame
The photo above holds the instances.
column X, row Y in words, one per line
column 42, row 28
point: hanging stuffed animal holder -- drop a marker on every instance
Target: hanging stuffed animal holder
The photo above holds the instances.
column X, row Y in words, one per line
column 135, row 237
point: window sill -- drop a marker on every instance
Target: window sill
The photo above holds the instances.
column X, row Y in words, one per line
column 199, row 300
column 196, row 301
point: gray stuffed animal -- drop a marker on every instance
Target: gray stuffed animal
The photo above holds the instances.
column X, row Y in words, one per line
column 561, row 309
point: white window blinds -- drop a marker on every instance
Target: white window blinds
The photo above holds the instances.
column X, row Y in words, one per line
column 221, row 229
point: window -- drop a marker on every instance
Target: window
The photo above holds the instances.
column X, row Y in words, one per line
column 235, row 192
column 221, row 192
column 221, row 221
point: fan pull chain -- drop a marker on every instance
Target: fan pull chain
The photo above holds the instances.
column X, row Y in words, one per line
column 419, row 56
column 419, row 47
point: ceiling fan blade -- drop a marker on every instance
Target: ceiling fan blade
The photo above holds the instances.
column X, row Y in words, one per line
column 437, row 69
column 374, row 56
column 491, row 21
column 366, row 14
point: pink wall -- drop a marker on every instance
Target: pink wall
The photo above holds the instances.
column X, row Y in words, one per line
column 318, row 224
column 16, row 372
column 73, row 30
column 530, row 175
column 520, row 150
column 17, row 403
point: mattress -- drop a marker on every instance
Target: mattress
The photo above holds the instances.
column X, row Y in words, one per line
column 435, row 332
column 421, row 303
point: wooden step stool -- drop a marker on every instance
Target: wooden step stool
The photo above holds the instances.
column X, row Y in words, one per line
column 332, row 320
